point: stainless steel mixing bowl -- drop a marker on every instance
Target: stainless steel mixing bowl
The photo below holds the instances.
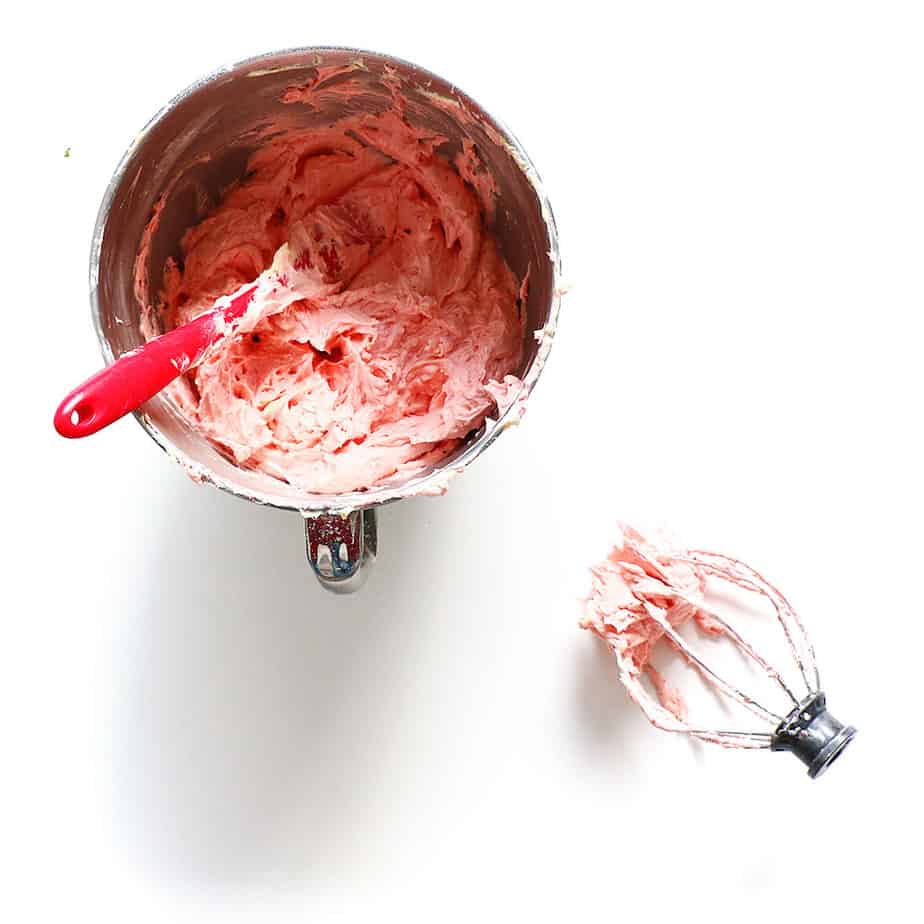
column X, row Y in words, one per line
column 195, row 147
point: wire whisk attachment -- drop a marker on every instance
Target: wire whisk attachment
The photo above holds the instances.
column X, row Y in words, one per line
column 644, row 595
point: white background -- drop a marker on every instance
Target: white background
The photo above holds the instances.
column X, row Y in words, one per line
column 195, row 731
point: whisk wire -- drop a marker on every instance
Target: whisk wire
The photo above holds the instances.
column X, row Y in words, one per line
column 755, row 739
column 748, row 649
column 738, row 695
column 737, row 572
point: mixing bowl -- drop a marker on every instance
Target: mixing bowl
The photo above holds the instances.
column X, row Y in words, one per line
column 199, row 144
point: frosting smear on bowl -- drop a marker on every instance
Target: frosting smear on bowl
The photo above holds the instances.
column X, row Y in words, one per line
column 403, row 323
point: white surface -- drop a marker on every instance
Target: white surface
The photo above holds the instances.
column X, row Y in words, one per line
column 195, row 731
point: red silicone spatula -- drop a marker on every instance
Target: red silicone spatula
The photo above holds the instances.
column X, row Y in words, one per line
column 137, row 376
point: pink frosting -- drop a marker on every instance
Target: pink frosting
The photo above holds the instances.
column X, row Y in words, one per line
column 402, row 327
column 637, row 580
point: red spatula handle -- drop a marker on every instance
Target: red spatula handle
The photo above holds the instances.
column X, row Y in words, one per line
column 137, row 376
